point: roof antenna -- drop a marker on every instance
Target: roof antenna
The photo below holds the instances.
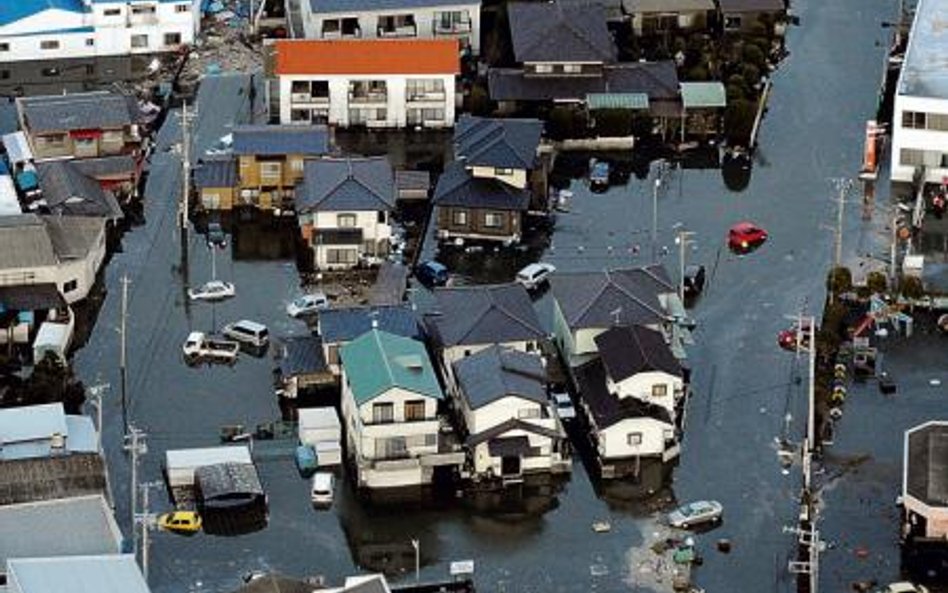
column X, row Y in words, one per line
column 616, row 313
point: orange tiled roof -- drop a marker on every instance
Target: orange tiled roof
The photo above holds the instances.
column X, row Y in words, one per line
column 369, row 56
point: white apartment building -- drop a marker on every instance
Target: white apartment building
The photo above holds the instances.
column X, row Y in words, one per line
column 374, row 19
column 920, row 117
column 58, row 29
column 382, row 83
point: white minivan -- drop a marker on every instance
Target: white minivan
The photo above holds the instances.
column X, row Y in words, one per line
column 322, row 489
column 248, row 332
column 534, row 275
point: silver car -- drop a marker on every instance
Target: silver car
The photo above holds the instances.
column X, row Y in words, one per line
column 696, row 513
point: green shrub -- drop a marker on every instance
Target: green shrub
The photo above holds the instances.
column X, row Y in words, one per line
column 839, row 280
column 753, row 55
column 613, row 122
column 739, row 121
column 877, row 282
column 567, row 122
column 478, row 102
column 912, row 287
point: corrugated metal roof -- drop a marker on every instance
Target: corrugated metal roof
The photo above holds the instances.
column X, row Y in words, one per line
column 15, row 10
column 24, row 243
column 313, row 418
column 280, row 140
column 703, row 94
column 83, row 436
column 378, row 361
column 79, row 574
column 617, row 101
column 923, row 71
column 192, row 458
column 29, row 423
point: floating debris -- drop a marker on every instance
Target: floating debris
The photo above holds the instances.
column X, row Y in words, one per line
column 601, row 526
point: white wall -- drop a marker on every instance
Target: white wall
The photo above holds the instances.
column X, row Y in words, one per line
column 640, row 386
column 516, row 178
column 928, row 140
column 83, row 271
column 544, row 461
column 506, row 408
column 613, row 441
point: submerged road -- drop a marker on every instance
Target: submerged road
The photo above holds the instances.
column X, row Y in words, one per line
column 744, row 386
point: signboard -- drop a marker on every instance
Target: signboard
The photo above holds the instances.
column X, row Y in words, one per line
column 462, row 567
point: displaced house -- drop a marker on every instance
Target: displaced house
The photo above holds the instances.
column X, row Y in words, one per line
column 215, row 179
column 58, row 29
column 338, row 327
column 66, row 251
column 659, row 17
column 511, row 428
column 390, row 401
column 751, row 16
column 270, row 162
column 485, row 191
column 586, row 304
column 78, row 526
column 413, row 19
column 111, row 573
column 228, row 485
column 382, row 83
column 278, row 583
column 344, row 207
column 639, row 364
column 181, row 465
column 112, row 173
column 301, row 364
column 466, row 320
column 925, row 485
column 67, row 191
column 623, row 431
column 44, row 430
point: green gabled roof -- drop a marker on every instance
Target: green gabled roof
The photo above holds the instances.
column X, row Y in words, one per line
column 376, row 361
column 617, row 101
column 703, row 94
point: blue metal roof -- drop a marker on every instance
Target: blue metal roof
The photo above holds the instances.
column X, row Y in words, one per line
column 10, row 12
column 344, row 325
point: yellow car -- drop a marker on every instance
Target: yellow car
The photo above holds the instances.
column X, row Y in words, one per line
column 180, row 522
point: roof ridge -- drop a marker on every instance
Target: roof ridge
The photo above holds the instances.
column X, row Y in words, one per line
column 505, row 310
column 622, row 289
column 388, row 368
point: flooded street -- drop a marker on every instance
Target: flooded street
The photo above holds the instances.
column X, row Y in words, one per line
column 744, row 385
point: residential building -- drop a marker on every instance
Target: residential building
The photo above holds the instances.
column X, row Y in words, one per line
column 67, row 191
column 63, row 250
column 639, row 364
column 924, row 497
column 301, row 364
column 484, row 193
column 338, row 327
column 215, row 179
column 702, row 108
column 660, row 17
column 390, row 406
column 512, row 430
column 77, row 526
column 112, row 573
column 270, row 162
column 60, row 29
column 750, row 16
column 412, row 19
column 44, row 430
column 623, row 431
column 587, row 304
column 344, row 209
column 466, row 320
column 381, row 83
column 920, row 112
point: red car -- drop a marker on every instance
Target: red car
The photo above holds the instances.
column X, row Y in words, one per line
column 787, row 339
column 745, row 236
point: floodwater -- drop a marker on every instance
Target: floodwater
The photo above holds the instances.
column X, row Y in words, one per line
column 745, row 389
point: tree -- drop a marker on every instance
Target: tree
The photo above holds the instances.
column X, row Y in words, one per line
column 566, row 122
column 877, row 282
column 839, row 280
column 478, row 101
column 912, row 287
column 739, row 121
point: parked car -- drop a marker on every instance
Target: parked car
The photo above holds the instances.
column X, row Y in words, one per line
column 214, row 290
column 432, row 273
column 564, row 406
column 904, row 587
column 696, row 513
column 694, row 280
column 248, row 332
column 787, row 339
column 533, row 275
column 322, row 489
column 180, row 522
column 306, row 462
column 216, row 236
column 744, row 237
column 308, row 304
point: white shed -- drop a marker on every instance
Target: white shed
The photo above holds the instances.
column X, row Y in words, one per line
column 180, row 464
column 319, row 425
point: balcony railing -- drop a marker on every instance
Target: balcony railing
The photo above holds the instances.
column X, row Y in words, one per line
column 402, row 31
column 354, row 34
column 440, row 27
column 368, row 97
column 425, row 96
column 308, row 98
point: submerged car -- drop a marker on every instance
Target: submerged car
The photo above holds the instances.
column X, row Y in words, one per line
column 694, row 280
column 308, row 304
column 180, row 522
column 321, row 492
column 696, row 513
column 533, row 275
column 432, row 273
column 745, row 237
column 904, row 587
column 215, row 290
column 787, row 339
column 598, row 173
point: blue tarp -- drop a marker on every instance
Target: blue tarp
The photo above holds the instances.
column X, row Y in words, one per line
column 26, row 180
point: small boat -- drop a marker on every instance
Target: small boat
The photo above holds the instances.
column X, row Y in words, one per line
column 306, row 461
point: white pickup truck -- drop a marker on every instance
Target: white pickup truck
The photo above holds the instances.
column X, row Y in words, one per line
column 200, row 346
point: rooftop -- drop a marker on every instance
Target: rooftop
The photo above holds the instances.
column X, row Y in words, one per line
column 606, row 408
column 926, row 463
column 665, row 6
column 752, row 5
column 30, row 423
column 616, row 297
column 48, row 478
column 378, row 361
column 280, row 140
column 486, row 314
column 560, row 31
column 182, row 458
column 344, row 325
column 498, row 372
column 351, row 183
column 31, row 297
column 658, row 80
column 215, row 171
column 67, row 190
column 924, row 70
column 629, row 350
column 502, row 143
column 703, row 94
column 302, row 355
column 367, row 56
column 458, row 187
column 348, row 6
column 78, row 574
column 11, row 12
column 80, row 111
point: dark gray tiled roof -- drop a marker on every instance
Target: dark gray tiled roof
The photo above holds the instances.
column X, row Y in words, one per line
column 926, row 474
column 666, row 6
column 497, row 372
column 606, row 408
column 31, row 297
column 658, row 80
column 215, row 171
column 603, row 299
column 344, row 325
column 68, row 191
column 109, row 166
column 501, row 143
column 457, row 187
column 487, row 314
column 349, row 6
column 507, row 425
column 302, row 355
column 73, row 236
column 81, row 111
column 560, row 31
column 353, row 183
column 281, row 140
column 629, row 350
column 752, row 5
column 275, row 583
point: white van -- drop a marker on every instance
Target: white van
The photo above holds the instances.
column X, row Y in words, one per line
column 322, row 489
column 248, row 332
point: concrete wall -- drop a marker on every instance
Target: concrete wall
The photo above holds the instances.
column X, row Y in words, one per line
column 934, row 142
column 379, row 233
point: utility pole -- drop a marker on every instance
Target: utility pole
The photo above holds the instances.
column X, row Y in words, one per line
column 684, row 240
column 655, row 188
column 95, row 399
column 135, row 445
column 122, row 351
column 185, row 166
column 146, row 522
column 842, row 186
column 417, row 545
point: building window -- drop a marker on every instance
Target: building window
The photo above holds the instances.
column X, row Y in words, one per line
column 342, row 256
column 299, row 115
column 634, row 439
column 70, row 286
column 172, row 38
column 493, row 220
column 659, row 390
column 139, row 41
column 112, row 12
column 383, row 413
column 296, row 165
column 4, row 47
column 668, row 434
column 143, row 10
column 528, row 413
column 270, row 169
column 504, row 172
column 4, row 74
column 346, row 221
column 414, row 410
column 913, row 119
column 49, row 44
column 572, row 68
column 182, row 8
column 391, row 447
column 543, row 68
column 382, row 217
column 732, row 22
column 914, row 157
column 90, row 42
column 459, row 217
column 54, row 140
column 333, row 354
